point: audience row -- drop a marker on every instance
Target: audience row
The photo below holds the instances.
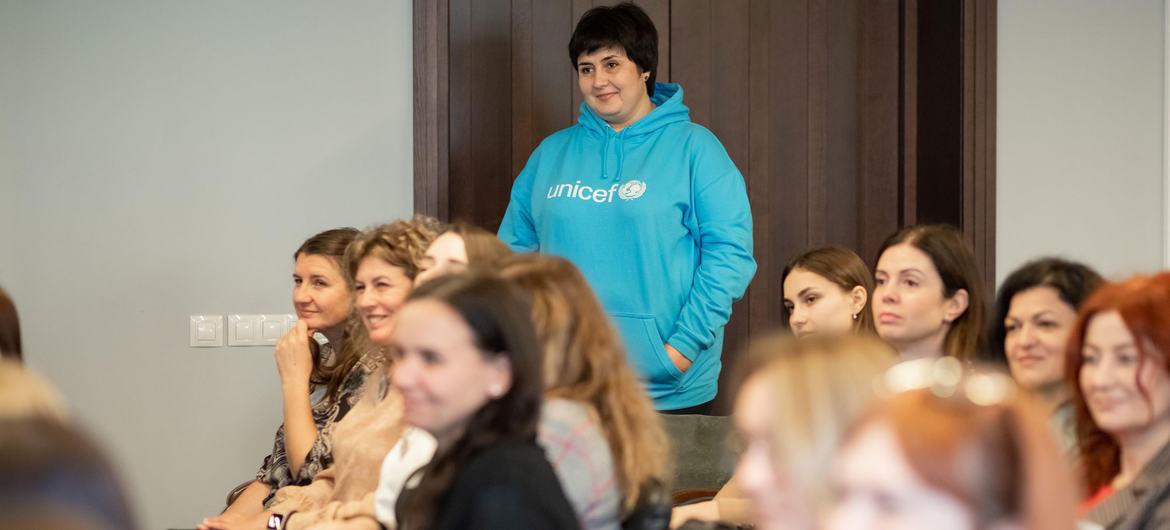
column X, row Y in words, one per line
column 436, row 380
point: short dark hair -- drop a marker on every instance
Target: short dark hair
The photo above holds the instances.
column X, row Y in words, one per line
column 1073, row 281
column 624, row 26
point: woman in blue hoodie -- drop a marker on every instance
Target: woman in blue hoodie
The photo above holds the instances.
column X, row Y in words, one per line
column 647, row 204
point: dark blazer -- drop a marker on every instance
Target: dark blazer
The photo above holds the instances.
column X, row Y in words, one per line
column 1144, row 504
column 509, row 485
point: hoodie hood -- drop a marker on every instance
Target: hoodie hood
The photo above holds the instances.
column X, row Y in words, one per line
column 668, row 108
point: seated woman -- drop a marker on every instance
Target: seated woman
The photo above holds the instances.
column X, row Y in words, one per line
column 794, row 403
column 928, row 297
column 1035, row 310
column 597, row 426
column 468, row 366
column 316, row 359
column 950, row 450
column 827, row 290
column 381, row 264
column 1119, row 353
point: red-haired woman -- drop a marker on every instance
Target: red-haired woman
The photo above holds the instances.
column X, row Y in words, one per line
column 954, row 450
column 1118, row 359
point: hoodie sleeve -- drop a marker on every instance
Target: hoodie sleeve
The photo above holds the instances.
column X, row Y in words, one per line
column 722, row 219
column 517, row 229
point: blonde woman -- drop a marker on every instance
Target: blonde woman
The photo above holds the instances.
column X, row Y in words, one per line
column 593, row 400
column 381, row 265
column 795, row 402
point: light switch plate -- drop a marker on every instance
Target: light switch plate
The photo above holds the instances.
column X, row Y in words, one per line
column 206, row 331
column 257, row 330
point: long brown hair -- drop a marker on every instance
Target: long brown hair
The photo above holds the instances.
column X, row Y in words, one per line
column 584, row 361
column 845, row 269
column 1144, row 305
column 499, row 320
column 955, row 263
column 331, row 244
column 9, row 329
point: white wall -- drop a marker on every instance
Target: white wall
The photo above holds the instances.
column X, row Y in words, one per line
column 161, row 159
column 1080, row 133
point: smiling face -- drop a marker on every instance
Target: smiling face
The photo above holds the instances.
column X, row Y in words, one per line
column 447, row 254
column 613, row 86
column 320, row 295
column 877, row 489
column 909, row 307
column 817, row 305
column 1036, row 331
column 380, row 290
column 1110, row 374
column 443, row 377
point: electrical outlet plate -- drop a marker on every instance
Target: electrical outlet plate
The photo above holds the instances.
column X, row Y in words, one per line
column 206, row 331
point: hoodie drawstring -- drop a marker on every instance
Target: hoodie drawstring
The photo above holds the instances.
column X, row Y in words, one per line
column 621, row 156
column 605, row 159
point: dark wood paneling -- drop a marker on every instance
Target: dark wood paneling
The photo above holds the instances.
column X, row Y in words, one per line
column 878, row 125
column 979, row 132
column 841, row 212
column 758, row 172
column 553, row 78
column 431, row 60
column 484, row 191
column 908, row 154
column 940, row 112
column 523, row 72
column 461, row 156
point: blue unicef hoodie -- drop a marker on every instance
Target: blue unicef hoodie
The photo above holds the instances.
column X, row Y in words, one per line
column 656, row 216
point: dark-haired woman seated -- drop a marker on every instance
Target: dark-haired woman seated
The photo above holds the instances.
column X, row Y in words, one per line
column 316, row 354
column 468, row 366
column 1034, row 312
column 928, row 296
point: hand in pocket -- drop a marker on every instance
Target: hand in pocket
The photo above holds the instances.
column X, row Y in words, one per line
column 680, row 361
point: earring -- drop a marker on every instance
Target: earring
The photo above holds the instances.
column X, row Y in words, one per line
column 855, row 316
column 495, row 391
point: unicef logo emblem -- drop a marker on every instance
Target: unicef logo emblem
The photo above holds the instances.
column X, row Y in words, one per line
column 632, row 190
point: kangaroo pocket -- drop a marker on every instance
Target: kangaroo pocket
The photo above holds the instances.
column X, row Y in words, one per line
column 647, row 350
